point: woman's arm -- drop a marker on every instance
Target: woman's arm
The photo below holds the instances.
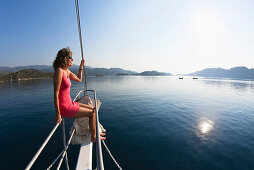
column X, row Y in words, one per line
column 57, row 79
column 79, row 77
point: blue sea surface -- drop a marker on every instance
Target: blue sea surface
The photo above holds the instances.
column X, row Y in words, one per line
column 152, row 123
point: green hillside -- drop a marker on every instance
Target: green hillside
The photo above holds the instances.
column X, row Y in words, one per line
column 26, row 74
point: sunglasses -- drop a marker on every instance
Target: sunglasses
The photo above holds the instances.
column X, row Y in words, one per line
column 70, row 57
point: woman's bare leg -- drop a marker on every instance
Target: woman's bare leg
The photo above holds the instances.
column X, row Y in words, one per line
column 85, row 112
column 86, row 106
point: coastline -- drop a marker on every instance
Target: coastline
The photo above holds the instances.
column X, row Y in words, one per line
column 1, row 81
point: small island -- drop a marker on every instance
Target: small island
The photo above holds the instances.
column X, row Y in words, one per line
column 154, row 73
column 145, row 73
column 26, row 74
column 99, row 75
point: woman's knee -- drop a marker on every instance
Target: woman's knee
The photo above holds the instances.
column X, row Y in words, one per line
column 91, row 113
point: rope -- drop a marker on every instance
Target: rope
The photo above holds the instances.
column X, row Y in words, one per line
column 119, row 167
column 64, row 143
column 65, row 150
column 50, row 166
column 80, row 40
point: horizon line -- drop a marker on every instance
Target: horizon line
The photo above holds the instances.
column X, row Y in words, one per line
column 132, row 70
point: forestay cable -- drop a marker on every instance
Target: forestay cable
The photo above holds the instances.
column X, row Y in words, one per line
column 80, row 40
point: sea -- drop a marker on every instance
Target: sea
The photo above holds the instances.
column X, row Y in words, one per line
column 152, row 123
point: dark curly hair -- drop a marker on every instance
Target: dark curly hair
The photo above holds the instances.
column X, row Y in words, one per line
column 61, row 58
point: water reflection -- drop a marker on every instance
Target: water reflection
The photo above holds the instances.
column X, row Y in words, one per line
column 205, row 126
column 239, row 85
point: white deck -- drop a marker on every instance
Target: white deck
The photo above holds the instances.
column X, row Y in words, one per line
column 85, row 157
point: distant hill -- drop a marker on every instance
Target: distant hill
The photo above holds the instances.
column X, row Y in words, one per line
column 3, row 73
column 235, row 72
column 108, row 71
column 89, row 70
column 154, row 73
column 25, row 75
column 42, row 68
column 35, row 67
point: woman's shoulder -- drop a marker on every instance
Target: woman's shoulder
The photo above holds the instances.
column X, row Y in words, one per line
column 58, row 72
column 69, row 71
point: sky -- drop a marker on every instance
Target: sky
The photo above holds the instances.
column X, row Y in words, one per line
column 174, row 36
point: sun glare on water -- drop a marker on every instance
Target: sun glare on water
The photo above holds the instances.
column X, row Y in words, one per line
column 205, row 126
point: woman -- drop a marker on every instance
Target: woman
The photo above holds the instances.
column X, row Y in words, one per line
column 62, row 81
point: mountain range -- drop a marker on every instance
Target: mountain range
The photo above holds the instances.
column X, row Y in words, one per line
column 235, row 72
column 89, row 71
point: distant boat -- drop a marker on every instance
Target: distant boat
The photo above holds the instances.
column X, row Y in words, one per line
column 194, row 78
column 180, row 77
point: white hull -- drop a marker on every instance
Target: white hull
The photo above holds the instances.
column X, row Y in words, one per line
column 85, row 157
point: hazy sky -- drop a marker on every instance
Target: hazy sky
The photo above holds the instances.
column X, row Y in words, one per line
column 175, row 36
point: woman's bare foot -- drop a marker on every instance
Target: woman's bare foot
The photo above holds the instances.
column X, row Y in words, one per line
column 93, row 139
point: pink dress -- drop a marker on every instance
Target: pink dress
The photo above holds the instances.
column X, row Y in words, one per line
column 68, row 108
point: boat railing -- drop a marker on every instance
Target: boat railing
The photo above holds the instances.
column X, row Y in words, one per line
column 63, row 154
column 99, row 158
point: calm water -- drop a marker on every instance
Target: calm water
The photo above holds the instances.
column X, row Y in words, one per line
column 152, row 123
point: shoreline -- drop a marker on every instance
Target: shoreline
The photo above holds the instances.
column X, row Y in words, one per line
column 25, row 79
